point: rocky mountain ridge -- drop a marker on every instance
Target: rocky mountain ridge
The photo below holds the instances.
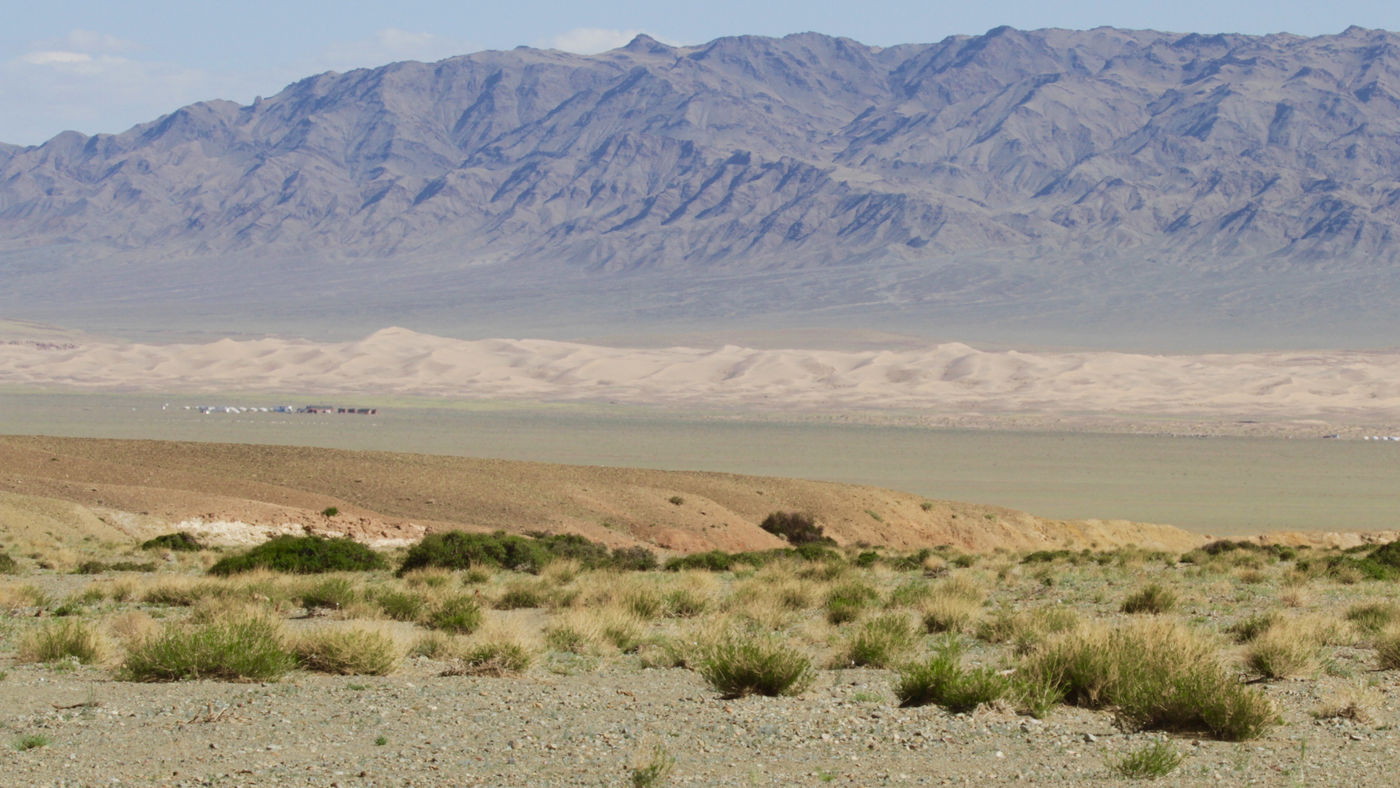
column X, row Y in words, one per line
column 1052, row 177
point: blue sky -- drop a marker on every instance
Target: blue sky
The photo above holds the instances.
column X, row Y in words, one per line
column 102, row 66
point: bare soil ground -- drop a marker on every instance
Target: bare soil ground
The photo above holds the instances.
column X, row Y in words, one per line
column 57, row 492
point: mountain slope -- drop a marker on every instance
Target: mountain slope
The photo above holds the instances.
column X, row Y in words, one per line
column 1075, row 180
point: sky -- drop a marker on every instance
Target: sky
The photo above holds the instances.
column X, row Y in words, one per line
column 98, row 66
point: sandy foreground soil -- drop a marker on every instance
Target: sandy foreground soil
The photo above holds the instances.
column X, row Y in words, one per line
column 947, row 383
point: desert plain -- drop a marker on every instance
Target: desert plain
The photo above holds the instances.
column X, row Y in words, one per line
column 597, row 676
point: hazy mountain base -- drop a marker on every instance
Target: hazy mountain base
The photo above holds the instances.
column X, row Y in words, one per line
column 1099, row 188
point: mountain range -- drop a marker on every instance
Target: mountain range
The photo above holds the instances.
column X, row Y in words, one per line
column 1103, row 187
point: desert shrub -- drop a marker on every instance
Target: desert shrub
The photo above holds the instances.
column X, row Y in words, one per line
column 496, row 657
column 462, row 550
column 92, row 567
column 1150, row 599
column 590, row 554
column 180, row 541
column 330, row 511
column 684, row 603
column 711, row 561
column 232, row 647
column 302, row 555
column 948, row 613
column 651, row 766
column 332, row 593
column 942, row 680
column 1149, row 762
column 458, row 613
column 67, row 638
column 1387, row 554
column 347, row 651
column 401, row 605
column 633, row 559
column 1154, row 675
column 1387, row 643
column 433, row 645
column 795, row 527
column 644, row 602
column 880, row 642
column 846, row 601
column 1248, row 629
column 1373, row 616
column 521, row 594
column 738, row 665
column 7, row 564
column 910, row 593
column 1048, row 556
column 1283, row 650
column 30, row 741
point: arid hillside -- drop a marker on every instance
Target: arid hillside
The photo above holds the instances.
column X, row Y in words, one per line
column 59, row 494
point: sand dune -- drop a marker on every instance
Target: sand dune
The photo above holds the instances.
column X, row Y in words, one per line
column 947, row 377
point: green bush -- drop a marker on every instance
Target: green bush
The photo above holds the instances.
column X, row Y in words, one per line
column 942, row 680
column 332, row 593
column 347, row 652
column 1249, row 629
column 302, row 555
column 1150, row 599
column 795, row 527
column 881, row 641
column 458, row 613
column 97, row 567
column 740, row 665
column 845, row 602
column 65, row 638
column 180, row 541
column 401, row 605
column 494, row 658
column 462, row 550
column 7, row 564
column 1373, row 616
column 1157, row 759
column 633, row 559
column 1155, row 676
column 230, row 647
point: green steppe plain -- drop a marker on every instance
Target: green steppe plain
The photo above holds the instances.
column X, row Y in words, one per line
column 1223, row 486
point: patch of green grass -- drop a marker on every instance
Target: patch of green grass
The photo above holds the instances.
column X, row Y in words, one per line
column 302, row 555
column 8, row 566
column 738, row 665
column 232, row 647
column 1156, row 676
column 1150, row 762
column 1373, row 616
column 880, row 642
column 500, row 657
column 331, row 593
column 31, row 741
column 942, row 680
column 381, row 740
column 347, row 652
column 401, row 605
column 652, row 766
column 1152, row 599
column 62, row 639
column 459, row 613
column 846, row 601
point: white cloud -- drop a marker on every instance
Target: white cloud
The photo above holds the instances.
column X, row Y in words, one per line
column 86, row 81
column 592, row 40
column 54, row 57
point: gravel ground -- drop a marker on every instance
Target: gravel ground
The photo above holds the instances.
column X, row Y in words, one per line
column 545, row 728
